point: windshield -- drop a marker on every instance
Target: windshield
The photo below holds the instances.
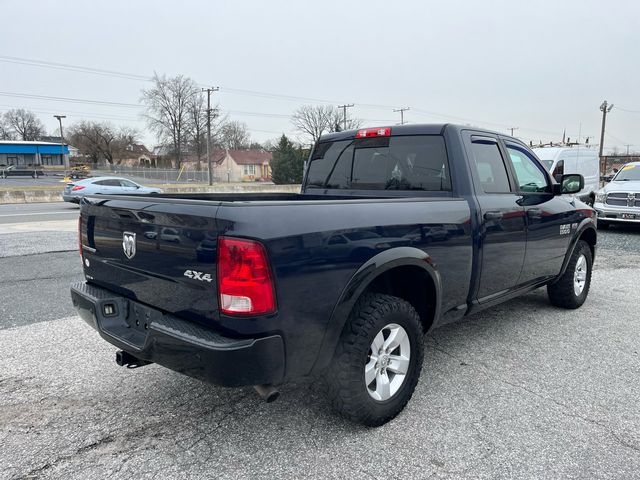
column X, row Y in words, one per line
column 628, row 173
column 417, row 162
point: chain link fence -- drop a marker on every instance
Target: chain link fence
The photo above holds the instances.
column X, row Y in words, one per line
column 157, row 175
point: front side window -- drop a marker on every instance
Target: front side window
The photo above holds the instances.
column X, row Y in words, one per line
column 529, row 175
column 417, row 162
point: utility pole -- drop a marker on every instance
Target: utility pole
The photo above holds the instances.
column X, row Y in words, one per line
column 627, row 145
column 209, row 90
column 402, row 110
column 344, row 114
column 604, row 108
column 64, row 159
column 512, row 129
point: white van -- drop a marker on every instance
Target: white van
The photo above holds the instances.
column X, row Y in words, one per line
column 582, row 160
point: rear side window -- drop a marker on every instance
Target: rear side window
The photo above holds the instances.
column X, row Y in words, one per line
column 490, row 166
column 382, row 163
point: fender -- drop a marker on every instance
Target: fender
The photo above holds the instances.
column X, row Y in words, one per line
column 367, row 273
column 583, row 226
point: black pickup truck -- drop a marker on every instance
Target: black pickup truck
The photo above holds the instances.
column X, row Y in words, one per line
column 396, row 230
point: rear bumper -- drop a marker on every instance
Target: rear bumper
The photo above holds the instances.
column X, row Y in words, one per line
column 183, row 346
column 71, row 198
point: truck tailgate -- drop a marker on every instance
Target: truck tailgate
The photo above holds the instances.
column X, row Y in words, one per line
column 150, row 251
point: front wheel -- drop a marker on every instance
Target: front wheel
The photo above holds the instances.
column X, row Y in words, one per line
column 572, row 288
column 378, row 360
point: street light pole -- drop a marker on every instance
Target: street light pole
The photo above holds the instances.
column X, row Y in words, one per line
column 64, row 159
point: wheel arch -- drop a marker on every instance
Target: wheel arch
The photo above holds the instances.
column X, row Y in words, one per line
column 405, row 272
column 586, row 231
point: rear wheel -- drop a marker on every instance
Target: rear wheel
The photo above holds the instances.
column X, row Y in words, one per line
column 572, row 288
column 378, row 360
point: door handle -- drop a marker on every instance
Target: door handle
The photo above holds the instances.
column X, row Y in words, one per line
column 534, row 213
column 493, row 216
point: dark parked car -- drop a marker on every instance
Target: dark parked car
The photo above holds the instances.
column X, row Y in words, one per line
column 260, row 289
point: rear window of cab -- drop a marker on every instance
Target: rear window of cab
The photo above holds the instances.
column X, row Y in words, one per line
column 416, row 162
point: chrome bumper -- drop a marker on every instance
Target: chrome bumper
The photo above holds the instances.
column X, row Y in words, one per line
column 612, row 213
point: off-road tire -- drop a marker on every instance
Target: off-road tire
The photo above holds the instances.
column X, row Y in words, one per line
column 347, row 390
column 561, row 293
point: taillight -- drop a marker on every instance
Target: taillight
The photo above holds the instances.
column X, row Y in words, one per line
column 76, row 188
column 80, row 235
column 374, row 132
column 244, row 278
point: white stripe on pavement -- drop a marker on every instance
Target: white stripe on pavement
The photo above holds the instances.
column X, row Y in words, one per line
column 36, row 213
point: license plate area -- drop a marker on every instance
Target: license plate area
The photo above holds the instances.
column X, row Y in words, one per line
column 127, row 321
column 628, row 216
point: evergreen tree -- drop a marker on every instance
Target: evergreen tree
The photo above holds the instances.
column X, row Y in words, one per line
column 287, row 163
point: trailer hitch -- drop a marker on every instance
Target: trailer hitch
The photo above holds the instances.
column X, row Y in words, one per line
column 125, row 359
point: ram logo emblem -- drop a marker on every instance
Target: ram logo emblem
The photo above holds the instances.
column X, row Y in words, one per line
column 129, row 244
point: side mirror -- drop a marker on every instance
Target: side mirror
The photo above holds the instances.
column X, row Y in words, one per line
column 571, row 183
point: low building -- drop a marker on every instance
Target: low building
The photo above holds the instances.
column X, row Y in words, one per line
column 242, row 165
column 19, row 152
column 137, row 155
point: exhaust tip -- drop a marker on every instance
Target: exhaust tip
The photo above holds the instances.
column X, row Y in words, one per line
column 267, row 392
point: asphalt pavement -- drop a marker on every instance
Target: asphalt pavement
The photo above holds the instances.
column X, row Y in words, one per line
column 37, row 212
column 523, row 390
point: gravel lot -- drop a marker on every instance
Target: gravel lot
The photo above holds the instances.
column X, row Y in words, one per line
column 523, row 390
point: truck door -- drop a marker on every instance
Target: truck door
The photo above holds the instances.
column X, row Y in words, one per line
column 502, row 222
column 548, row 217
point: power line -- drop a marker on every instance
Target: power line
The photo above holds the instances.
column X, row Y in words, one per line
column 68, row 99
column 627, row 110
column 73, row 68
column 228, row 90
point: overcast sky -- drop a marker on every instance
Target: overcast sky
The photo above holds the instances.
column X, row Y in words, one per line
column 541, row 66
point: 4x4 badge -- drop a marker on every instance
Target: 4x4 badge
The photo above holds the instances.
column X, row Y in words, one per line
column 129, row 244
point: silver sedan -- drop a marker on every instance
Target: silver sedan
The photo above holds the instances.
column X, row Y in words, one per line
column 73, row 192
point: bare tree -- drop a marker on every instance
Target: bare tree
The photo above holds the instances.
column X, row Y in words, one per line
column 23, row 124
column 197, row 113
column 102, row 141
column 234, row 135
column 5, row 131
column 314, row 120
column 167, row 109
